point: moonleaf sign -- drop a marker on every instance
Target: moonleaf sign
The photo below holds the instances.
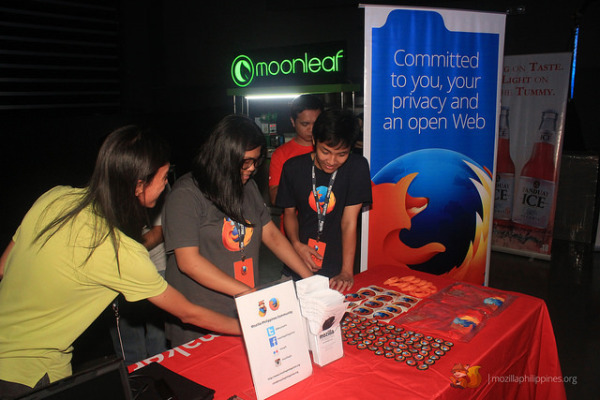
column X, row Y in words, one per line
column 314, row 64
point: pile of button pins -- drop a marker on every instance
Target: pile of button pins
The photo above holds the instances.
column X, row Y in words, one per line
column 393, row 342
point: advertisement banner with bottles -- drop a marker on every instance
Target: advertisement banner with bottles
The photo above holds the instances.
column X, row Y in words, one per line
column 432, row 101
column 534, row 100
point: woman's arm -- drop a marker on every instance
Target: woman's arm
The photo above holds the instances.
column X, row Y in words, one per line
column 194, row 265
column 175, row 303
column 280, row 246
column 153, row 237
column 4, row 257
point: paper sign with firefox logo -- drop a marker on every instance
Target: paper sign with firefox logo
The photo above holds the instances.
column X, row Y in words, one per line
column 275, row 337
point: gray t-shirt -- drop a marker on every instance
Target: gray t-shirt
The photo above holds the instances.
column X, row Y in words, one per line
column 190, row 219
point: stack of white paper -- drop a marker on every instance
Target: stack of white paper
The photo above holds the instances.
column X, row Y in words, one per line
column 323, row 309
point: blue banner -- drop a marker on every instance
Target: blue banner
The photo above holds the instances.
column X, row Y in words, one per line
column 431, row 109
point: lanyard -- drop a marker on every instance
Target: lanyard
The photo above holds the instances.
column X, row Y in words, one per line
column 321, row 213
column 241, row 228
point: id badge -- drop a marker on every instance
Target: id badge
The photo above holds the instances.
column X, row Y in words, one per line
column 244, row 271
column 320, row 248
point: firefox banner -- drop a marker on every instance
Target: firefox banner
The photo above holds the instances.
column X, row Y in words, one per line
column 432, row 101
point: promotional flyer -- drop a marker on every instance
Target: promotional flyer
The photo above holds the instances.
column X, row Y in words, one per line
column 275, row 337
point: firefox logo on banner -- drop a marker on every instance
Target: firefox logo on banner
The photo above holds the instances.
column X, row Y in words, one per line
column 431, row 212
column 231, row 236
column 322, row 195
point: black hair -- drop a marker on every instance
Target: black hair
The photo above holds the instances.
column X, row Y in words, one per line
column 336, row 128
column 305, row 102
column 216, row 167
column 128, row 155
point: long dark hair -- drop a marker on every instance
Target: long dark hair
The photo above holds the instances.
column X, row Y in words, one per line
column 216, row 168
column 127, row 155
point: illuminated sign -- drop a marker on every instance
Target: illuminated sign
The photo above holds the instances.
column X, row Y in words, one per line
column 297, row 65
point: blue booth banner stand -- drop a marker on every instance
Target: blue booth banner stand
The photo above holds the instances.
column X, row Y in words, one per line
column 432, row 101
column 534, row 102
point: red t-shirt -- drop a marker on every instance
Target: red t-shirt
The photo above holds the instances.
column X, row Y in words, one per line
column 281, row 155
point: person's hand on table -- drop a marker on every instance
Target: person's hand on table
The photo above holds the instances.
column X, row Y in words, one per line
column 306, row 253
column 341, row 282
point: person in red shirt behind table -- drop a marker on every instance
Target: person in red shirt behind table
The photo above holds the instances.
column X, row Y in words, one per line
column 303, row 113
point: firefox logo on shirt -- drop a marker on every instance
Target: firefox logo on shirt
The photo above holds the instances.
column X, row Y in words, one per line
column 322, row 195
column 231, row 235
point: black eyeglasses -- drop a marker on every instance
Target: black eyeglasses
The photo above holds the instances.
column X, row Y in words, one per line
column 248, row 162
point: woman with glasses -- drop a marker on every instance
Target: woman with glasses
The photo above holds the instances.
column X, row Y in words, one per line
column 214, row 222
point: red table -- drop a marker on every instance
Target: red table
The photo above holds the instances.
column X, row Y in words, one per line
column 516, row 351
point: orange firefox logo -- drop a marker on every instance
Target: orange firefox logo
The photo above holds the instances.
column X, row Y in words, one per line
column 322, row 194
column 231, row 235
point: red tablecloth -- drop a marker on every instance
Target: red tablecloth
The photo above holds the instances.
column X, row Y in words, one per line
column 516, row 352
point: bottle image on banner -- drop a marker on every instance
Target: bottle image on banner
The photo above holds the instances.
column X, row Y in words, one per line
column 535, row 188
column 505, row 174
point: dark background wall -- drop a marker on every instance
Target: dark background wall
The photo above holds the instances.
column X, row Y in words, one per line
column 174, row 61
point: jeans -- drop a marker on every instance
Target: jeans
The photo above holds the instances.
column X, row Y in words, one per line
column 142, row 330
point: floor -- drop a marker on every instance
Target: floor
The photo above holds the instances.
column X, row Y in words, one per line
column 569, row 283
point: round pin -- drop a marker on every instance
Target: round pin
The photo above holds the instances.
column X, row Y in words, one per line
column 379, row 352
column 439, row 353
column 361, row 346
column 411, row 362
column 444, row 348
column 429, row 361
column 397, row 351
column 418, row 357
column 400, row 358
column 422, row 367
column 389, row 354
column 450, row 344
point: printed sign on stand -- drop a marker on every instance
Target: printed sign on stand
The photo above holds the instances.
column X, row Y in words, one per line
column 432, row 98
column 534, row 105
column 275, row 337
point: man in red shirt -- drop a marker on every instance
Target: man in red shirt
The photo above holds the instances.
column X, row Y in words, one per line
column 304, row 112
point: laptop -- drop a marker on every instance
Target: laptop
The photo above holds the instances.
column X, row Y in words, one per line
column 155, row 382
column 106, row 379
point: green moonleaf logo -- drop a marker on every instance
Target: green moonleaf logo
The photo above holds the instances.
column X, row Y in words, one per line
column 242, row 70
